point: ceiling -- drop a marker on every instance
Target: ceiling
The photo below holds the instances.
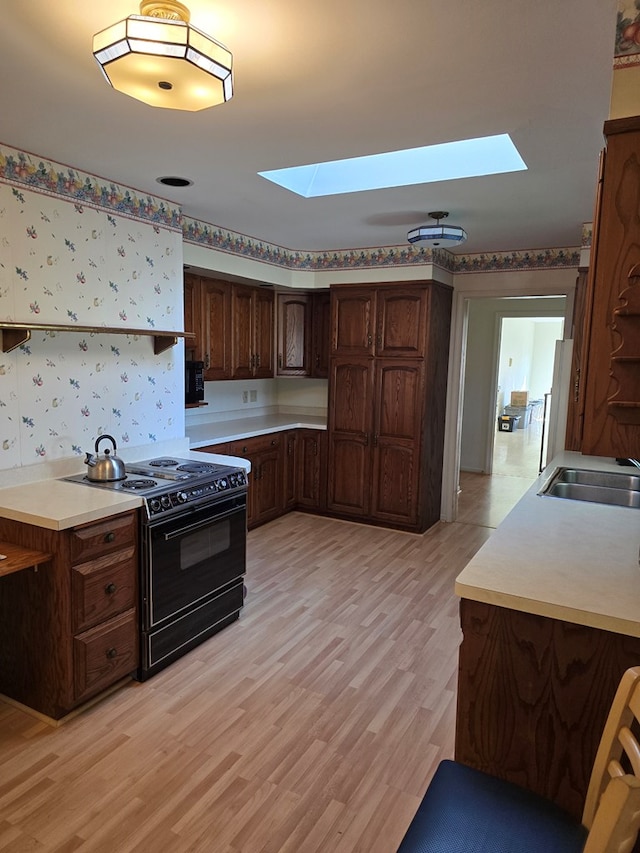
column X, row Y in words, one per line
column 318, row 81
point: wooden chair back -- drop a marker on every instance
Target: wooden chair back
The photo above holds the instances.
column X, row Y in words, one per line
column 612, row 806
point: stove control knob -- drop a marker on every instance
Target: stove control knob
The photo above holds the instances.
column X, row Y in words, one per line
column 165, row 501
column 154, row 505
column 222, row 484
column 182, row 497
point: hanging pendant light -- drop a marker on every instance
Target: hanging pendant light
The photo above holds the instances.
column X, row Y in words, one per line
column 157, row 57
column 438, row 236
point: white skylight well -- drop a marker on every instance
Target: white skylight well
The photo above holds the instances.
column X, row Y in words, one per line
column 467, row 158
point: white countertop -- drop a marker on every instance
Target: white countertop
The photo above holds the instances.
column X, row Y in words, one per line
column 214, row 432
column 57, row 505
column 565, row 559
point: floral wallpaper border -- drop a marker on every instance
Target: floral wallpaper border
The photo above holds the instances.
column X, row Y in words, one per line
column 213, row 237
column 41, row 175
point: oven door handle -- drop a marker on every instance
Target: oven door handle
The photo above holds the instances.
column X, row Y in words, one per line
column 198, row 525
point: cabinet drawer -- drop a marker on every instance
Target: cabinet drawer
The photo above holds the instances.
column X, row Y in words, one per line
column 104, row 654
column 103, row 587
column 256, row 444
column 93, row 540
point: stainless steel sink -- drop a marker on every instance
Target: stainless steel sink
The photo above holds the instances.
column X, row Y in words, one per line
column 604, row 487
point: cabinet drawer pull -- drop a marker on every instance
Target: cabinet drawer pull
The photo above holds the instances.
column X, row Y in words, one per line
column 112, row 653
column 273, row 441
column 110, row 588
column 110, row 536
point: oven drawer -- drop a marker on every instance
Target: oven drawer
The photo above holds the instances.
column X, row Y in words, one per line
column 165, row 645
column 103, row 655
column 95, row 539
column 103, row 588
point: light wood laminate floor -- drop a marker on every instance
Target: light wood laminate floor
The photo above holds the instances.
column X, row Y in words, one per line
column 311, row 725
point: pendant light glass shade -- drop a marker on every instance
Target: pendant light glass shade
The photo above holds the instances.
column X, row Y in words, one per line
column 160, row 59
column 438, row 236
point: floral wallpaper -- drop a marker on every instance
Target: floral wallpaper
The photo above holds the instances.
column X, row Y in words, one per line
column 627, row 46
column 75, row 252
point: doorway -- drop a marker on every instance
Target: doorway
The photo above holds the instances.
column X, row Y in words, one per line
column 523, row 395
column 473, row 401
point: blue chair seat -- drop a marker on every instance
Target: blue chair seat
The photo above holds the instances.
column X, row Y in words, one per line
column 467, row 811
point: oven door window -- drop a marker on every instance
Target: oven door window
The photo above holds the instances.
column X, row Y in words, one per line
column 193, row 557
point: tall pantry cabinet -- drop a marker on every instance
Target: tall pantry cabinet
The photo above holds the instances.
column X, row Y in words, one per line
column 609, row 390
column 387, row 390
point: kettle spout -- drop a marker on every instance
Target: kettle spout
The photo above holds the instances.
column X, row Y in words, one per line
column 89, row 459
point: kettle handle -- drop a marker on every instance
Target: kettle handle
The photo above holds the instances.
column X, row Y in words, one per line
column 102, row 437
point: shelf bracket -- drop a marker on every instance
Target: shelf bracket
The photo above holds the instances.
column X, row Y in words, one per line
column 13, row 338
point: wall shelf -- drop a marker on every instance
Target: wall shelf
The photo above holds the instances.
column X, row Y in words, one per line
column 16, row 334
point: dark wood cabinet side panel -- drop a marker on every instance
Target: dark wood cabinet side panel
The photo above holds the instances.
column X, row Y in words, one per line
column 533, row 697
column 36, row 664
column 614, row 431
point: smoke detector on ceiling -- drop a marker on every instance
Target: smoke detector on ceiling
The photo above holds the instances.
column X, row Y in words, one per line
column 438, row 236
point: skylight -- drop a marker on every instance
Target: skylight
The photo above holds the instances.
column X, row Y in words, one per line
column 467, row 158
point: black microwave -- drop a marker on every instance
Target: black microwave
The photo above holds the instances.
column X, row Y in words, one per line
column 193, row 381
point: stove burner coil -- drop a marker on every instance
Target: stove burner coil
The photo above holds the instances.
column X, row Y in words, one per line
column 163, row 463
column 198, row 468
column 138, row 485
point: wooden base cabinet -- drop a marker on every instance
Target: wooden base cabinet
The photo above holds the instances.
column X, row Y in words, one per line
column 533, row 696
column 69, row 629
column 265, row 497
column 387, row 391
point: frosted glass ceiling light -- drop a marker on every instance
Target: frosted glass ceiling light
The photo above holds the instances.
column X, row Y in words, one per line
column 157, row 57
column 438, row 236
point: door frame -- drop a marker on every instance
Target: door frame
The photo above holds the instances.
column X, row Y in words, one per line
column 472, row 287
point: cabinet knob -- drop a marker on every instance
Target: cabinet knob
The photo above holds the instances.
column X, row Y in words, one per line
column 110, row 536
column 280, row 362
column 110, row 588
column 112, row 653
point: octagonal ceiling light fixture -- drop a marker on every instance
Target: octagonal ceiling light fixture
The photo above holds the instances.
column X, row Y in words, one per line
column 157, row 57
column 438, row 236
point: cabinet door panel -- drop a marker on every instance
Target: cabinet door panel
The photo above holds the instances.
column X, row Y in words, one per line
column 311, row 452
column 349, row 484
column 215, row 304
column 401, row 322
column 352, row 321
column 351, row 384
column 321, row 334
column 294, row 345
column 242, row 334
column 263, row 333
column 192, row 317
column 268, row 486
column 399, row 391
column 289, row 471
column 395, row 483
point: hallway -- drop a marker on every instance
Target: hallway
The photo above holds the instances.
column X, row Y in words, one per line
column 485, row 499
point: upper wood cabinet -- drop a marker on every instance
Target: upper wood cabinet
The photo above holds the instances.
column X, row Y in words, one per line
column 293, row 336
column 233, row 325
column 252, row 332
column 385, row 322
column 303, row 333
column 207, row 313
column 610, row 379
